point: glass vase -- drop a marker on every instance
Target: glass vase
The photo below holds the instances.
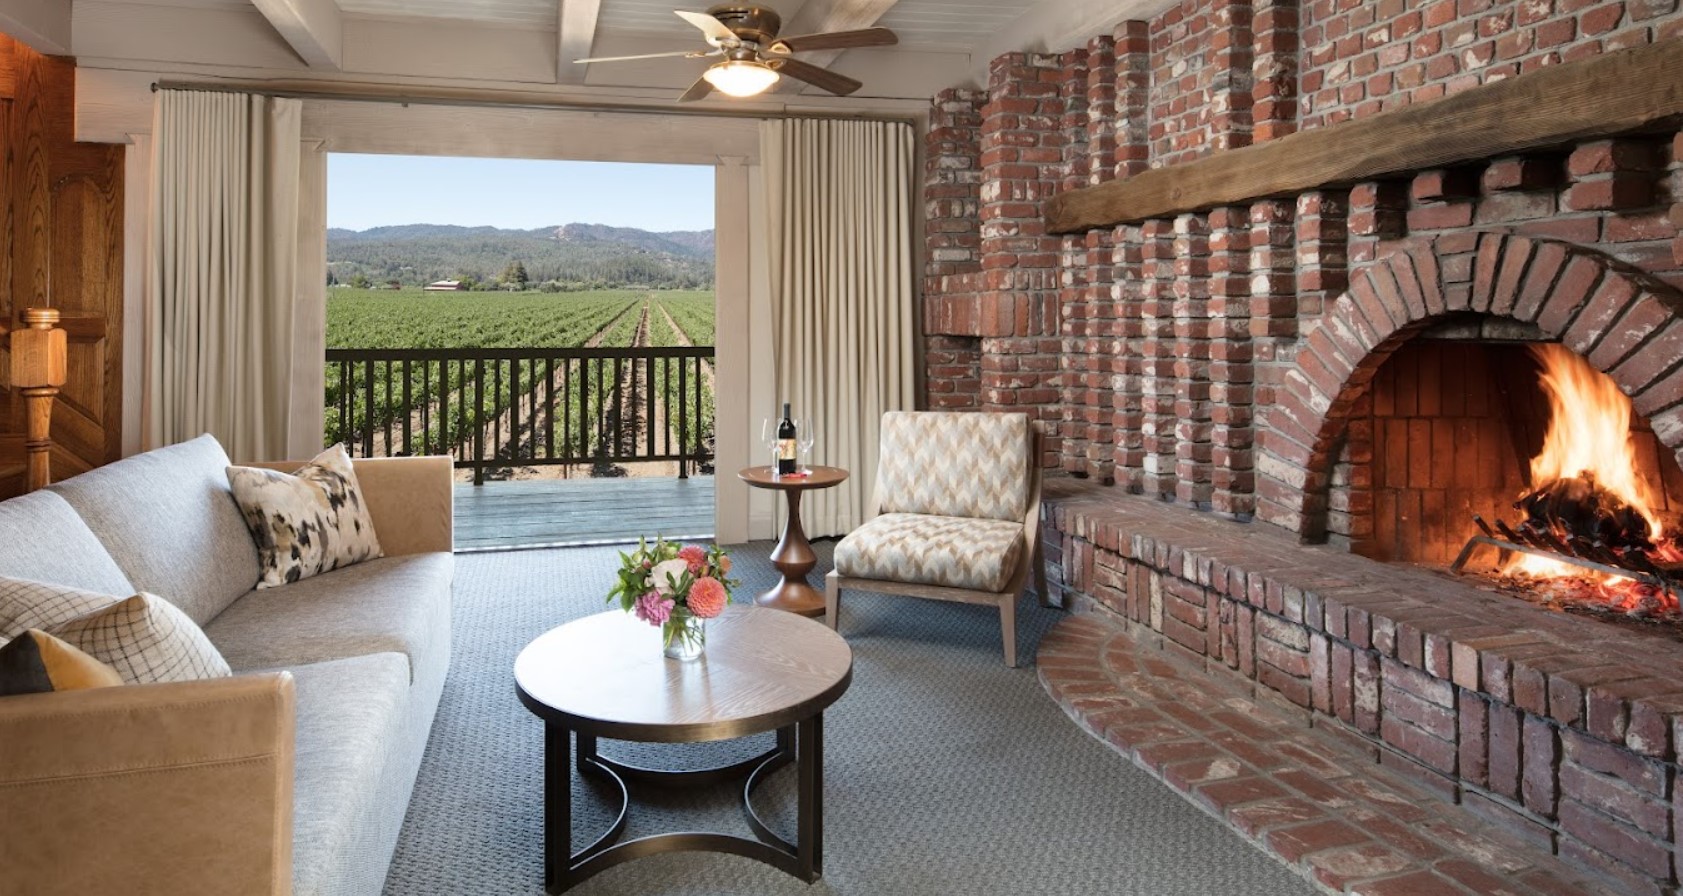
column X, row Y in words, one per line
column 684, row 635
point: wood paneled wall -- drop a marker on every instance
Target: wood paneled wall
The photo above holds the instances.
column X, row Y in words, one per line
column 61, row 243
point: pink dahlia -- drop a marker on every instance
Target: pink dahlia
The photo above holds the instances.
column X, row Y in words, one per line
column 707, row 597
column 653, row 609
column 695, row 557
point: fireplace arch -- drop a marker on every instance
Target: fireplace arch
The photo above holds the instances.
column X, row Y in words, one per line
column 1625, row 323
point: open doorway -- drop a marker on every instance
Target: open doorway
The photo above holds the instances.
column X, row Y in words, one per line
column 549, row 325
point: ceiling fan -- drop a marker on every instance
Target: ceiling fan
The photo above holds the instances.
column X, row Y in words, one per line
column 754, row 56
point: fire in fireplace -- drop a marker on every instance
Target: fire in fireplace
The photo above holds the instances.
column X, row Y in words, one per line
column 1483, row 449
column 1589, row 531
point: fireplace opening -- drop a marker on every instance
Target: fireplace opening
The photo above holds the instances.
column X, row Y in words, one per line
column 1516, row 461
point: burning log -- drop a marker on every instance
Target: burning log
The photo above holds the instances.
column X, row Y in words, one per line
column 1583, row 508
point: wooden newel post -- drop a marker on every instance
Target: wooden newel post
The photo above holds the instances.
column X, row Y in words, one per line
column 38, row 370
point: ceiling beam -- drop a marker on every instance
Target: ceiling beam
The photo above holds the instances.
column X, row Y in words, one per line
column 312, row 27
column 576, row 36
column 817, row 16
column 42, row 24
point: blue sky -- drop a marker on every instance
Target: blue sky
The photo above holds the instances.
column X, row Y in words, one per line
column 366, row 191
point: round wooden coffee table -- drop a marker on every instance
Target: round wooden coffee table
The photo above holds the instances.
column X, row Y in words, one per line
column 605, row 676
column 793, row 555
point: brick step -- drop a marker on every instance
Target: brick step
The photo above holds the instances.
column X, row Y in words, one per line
column 1303, row 789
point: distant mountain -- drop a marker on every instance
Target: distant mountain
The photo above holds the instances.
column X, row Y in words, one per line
column 697, row 243
column 570, row 256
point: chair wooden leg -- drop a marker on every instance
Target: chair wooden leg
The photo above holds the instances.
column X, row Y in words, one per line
column 832, row 598
column 1008, row 628
column 1039, row 561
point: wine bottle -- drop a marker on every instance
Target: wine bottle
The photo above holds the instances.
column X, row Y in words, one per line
column 786, row 444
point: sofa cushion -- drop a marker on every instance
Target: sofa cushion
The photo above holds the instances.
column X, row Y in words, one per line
column 169, row 520
column 399, row 604
column 36, row 663
column 919, row 549
column 308, row 522
column 42, row 538
column 350, row 721
column 147, row 640
column 961, row 464
column 27, row 604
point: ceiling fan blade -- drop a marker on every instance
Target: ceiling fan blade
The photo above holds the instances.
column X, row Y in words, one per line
column 715, row 30
column 688, row 53
column 840, row 85
column 836, row 40
column 699, row 90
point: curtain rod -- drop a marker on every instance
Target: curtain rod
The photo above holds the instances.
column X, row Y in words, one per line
column 498, row 99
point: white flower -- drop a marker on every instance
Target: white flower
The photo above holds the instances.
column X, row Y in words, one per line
column 668, row 568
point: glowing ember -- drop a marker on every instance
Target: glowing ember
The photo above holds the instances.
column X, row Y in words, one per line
column 1588, row 497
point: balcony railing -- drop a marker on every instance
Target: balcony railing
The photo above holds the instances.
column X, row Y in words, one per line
column 515, row 407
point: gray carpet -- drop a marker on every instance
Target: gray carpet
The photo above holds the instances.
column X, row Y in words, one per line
column 945, row 771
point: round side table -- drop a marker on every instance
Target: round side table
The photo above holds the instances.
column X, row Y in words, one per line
column 793, row 556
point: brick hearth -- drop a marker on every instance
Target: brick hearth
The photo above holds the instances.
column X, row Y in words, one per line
column 1206, row 378
column 1561, row 732
column 1302, row 791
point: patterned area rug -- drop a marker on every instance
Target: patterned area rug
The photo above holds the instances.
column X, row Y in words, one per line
column 945, row 771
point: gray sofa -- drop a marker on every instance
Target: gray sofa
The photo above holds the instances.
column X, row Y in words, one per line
column 291, row 777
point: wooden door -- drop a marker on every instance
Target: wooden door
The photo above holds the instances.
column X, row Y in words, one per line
column 61, row 243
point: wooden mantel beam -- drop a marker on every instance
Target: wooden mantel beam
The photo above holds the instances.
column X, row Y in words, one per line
column 1615, row 93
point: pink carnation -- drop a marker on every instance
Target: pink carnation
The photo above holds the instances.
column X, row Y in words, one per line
column 707, row 597
column 695, row 557
column 653, row 609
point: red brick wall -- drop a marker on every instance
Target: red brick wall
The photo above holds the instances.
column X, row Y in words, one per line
column 1364, row 57
column 1200, row 80
column 1224, row 361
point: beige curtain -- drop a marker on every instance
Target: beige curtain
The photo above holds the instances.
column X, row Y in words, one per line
column 222, row 271
column 839, row 196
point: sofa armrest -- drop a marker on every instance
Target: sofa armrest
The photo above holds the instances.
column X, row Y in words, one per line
column 412, row 501
column 180, row 788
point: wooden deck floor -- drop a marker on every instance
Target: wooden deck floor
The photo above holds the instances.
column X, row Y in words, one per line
column 552, row 512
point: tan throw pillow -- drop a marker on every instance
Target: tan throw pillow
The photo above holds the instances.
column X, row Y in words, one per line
column 36, row 663
column 146, row 639
column 306, row 523
column 27, row 604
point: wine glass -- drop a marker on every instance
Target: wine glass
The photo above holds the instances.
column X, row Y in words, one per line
column 806, row 437
column 768, row 437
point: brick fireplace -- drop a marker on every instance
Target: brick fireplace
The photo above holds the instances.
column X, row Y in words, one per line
column 1259, row 410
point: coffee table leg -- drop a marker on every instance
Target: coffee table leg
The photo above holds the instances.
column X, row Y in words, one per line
column 587, row 750
column 557, row 807
column 809, row 768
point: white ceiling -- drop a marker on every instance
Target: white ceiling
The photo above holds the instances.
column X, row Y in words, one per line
column 947, row 22
column 535, row 13
column 942, row 23
column 533, row 44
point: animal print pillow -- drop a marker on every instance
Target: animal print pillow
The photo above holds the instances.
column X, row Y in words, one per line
column 309, row 522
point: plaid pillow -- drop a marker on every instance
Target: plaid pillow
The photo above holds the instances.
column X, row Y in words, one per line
column 26, row 604
column 146, row 639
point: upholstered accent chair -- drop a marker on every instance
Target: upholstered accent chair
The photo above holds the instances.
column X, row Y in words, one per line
column 958, row 516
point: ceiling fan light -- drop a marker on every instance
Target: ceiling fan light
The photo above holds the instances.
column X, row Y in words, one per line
column 740, row 77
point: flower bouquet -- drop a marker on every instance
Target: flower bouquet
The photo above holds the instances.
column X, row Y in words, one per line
column 675, row 587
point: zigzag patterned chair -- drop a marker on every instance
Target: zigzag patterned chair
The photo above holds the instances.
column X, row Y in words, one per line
column 958, row 503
